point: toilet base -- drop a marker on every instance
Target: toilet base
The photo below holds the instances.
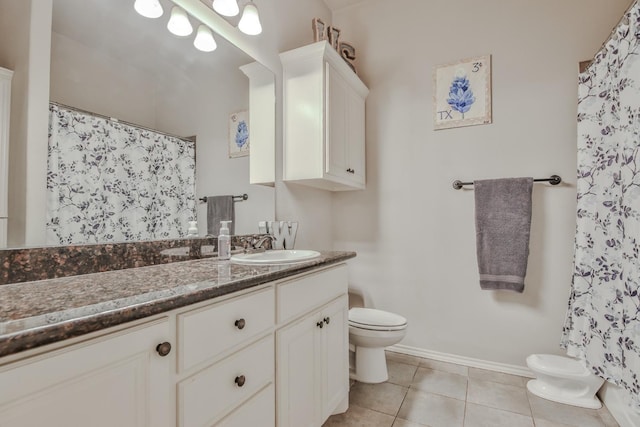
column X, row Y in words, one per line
column 542, row 390
column 370, row 365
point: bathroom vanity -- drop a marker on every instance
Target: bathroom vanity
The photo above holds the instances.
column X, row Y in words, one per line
column 191, row 343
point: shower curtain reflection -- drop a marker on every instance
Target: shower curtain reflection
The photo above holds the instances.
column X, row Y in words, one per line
column 113, row 182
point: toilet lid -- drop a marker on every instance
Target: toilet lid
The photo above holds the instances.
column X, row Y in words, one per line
column 369, row 318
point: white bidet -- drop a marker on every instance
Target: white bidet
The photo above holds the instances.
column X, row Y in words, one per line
column 564, row 380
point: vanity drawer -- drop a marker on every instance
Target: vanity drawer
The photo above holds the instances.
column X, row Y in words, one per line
column 208, row 332
column 302, row 295
column 210, row 394
column 259, row 411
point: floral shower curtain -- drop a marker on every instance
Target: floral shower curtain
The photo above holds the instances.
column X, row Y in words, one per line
column 112, row 182
column 603, row 319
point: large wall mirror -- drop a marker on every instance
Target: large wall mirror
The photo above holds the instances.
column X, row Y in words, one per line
column 109, row 61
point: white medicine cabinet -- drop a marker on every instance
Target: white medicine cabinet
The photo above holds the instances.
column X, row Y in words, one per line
column 324, row 119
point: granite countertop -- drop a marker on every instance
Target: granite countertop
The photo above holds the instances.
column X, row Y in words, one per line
column 41, row 312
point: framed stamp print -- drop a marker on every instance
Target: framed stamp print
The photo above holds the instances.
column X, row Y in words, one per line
column 239, row 134
column 462, row 93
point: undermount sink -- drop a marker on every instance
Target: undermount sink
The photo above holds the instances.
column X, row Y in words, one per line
column 284, row 256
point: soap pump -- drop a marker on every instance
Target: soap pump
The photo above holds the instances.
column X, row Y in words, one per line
column 224, row 241
column 193, row 229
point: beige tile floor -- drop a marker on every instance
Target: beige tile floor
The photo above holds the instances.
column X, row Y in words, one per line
column 424, row 392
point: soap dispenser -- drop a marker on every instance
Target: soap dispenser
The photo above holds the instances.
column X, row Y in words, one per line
column 192, row 231
column 224, row 241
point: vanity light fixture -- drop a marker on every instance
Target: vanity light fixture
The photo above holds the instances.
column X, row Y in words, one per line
column 179, row 22
column 226, row 7
column 204, row 40
column 250, row 21
column 148, row 8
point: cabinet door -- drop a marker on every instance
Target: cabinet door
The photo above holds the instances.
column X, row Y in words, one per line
column 297, row 379
column 356, row 137
column 118, row 380
column 337, row 124
column 3, row 232
column 335, row 355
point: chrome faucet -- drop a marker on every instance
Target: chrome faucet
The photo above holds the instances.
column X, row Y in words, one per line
column 257, row 244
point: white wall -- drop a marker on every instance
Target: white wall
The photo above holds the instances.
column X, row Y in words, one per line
column 84, row 78
column 25, row 35
column 413, row 233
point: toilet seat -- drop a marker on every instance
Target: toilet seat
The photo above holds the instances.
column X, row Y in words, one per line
column 375, row 320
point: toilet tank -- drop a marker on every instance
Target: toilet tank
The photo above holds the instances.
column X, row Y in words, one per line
column 355, row 300
column 358, row 297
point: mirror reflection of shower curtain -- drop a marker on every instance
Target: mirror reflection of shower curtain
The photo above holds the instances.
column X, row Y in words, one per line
column 112, row 182
column 603, row 318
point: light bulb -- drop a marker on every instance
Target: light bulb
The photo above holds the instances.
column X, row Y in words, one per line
column 250, row 21
column 204, row 40
column 179, row 22
column 148, row 8
column 226, row 7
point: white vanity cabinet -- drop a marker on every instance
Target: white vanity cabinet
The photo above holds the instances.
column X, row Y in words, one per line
column 118, row 379
column 324, row 119
column 276, row 354
column 312, row 349
column 5, row 107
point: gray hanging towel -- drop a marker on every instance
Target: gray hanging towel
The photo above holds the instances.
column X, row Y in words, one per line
column 503, row 225
column 220, row 208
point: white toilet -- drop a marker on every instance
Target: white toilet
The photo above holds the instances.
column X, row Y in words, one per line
column 564, row 380
column 370, row 331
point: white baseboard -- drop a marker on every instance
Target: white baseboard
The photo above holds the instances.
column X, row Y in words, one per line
column 522, row 371
column 615, row 400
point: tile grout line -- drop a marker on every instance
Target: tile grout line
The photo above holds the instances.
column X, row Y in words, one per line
column 466, row 396
column 407, row 393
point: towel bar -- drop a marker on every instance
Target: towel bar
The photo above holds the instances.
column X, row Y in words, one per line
column 553, row 180
column 240, row 198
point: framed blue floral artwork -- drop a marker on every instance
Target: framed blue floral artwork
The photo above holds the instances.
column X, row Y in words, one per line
column 462, row 93
column 239, row 134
